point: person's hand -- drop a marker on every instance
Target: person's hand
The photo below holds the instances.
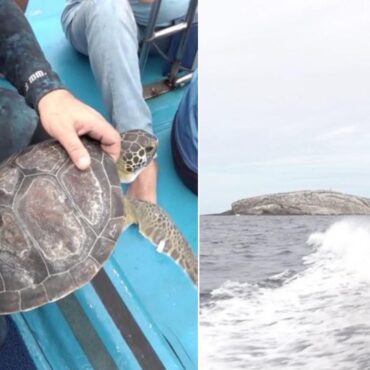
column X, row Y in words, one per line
column 145, row 186
column 65, row 118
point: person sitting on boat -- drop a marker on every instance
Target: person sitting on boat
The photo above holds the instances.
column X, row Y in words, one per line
column 108, row 32
column 184, row 137
column 42, row 102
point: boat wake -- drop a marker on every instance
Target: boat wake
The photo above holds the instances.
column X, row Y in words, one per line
column 315, row 319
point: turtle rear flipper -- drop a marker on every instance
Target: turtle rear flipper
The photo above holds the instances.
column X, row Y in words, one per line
column 155, row 225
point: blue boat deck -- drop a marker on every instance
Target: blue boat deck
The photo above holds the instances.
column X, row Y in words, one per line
column 158, row 294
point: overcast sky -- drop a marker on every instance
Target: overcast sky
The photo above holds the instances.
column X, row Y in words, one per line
column 284, row 98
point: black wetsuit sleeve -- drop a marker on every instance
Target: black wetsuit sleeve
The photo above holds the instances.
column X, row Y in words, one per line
column 21, row 58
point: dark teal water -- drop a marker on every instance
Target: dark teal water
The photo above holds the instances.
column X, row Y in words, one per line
column 285, row 292
column 252, row 248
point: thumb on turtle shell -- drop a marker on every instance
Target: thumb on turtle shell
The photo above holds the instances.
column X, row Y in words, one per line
column 75, row 149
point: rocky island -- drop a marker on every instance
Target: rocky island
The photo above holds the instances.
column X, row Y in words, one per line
column 304, row 202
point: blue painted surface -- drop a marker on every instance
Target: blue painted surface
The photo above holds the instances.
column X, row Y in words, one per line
column 157, row 292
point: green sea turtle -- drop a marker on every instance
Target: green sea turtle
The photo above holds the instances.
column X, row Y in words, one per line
column 58, row 225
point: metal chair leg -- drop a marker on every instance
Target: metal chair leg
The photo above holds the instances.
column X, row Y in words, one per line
column 184, row 38
column 151, row 35
column 148, row 34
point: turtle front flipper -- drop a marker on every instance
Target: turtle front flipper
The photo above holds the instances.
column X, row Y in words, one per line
column 155, row 225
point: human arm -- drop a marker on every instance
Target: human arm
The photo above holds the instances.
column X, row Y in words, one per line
column 62, row 115
column 21, row 59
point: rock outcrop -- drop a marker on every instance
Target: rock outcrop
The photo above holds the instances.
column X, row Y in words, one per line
column 319, row 202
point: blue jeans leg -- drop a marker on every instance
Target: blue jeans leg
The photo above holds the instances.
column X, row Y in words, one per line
column 106, row 31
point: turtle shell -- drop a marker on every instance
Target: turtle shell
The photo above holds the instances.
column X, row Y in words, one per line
column 58, row 225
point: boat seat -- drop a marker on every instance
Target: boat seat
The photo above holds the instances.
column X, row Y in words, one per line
column 182, row 55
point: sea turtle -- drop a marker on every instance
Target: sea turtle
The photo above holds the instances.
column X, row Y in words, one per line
column 58, row 225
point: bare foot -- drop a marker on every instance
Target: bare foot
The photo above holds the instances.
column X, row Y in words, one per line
column 145, row 186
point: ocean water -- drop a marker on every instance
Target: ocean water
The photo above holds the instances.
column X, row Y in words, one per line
column 285, row 293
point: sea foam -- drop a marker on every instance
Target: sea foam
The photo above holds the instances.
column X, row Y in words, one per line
column 316, row 319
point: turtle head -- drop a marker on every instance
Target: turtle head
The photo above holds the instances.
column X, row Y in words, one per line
column 138, row 149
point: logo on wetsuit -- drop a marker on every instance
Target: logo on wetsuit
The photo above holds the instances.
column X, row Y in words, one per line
column 34, row 77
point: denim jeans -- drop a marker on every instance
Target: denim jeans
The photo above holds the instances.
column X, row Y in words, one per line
column 108, row 33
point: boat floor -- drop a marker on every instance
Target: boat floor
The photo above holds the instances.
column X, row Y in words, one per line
column 157, row 293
